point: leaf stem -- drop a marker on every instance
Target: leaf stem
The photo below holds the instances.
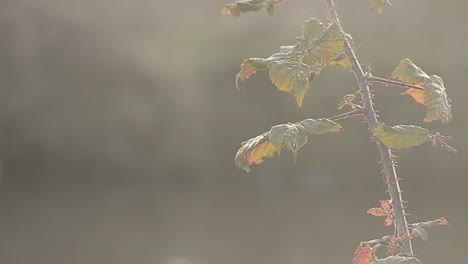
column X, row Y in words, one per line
column 401, row 228
column 397, row 83
column 349, row 114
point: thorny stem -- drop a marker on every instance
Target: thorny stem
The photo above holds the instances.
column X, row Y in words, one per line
column 401, row 228
column 387, row 81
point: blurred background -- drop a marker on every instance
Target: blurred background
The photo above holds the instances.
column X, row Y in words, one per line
column 119, row 122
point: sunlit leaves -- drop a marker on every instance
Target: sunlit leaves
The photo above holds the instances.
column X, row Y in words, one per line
column 293, row 68
column 363, row 255
column 379, row 5
column 433, row 95
column 385, row 209
column 285, row 136
column 293, row 77
column 239, row 7
column 401, row 136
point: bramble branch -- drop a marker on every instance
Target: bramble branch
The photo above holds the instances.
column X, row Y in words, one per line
column 401, row 228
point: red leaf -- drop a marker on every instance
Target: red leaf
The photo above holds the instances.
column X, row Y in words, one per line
column 444, row 221
column 389, row 220
column 363, row 255
column 377, row 212
column 386, row 206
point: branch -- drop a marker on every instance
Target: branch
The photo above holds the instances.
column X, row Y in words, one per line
column 388, row 81
column 401, row 228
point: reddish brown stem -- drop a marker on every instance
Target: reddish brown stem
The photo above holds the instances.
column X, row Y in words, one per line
column 401, row 227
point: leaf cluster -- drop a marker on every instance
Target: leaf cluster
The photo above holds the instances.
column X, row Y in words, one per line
column 294, row 67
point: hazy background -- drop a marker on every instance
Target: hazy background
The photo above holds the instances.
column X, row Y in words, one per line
column 119, row 121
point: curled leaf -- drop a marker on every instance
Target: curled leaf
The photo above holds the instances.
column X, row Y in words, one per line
column 285, row 136
column 402, row 136
column 433, row 96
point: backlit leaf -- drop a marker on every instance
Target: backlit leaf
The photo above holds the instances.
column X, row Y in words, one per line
column 293, row 77
column 402, row 136
column 327, row 45
column 320, row 126
column 397, row 260
column 408, row 72
column 433, row 96
column 311, row 29
column 363, row 255
column 285, row 136
column 379, row 5
column 250, row 66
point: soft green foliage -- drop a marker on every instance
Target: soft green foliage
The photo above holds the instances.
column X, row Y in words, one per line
column 285, row 136
column 294, row 67
column 402, row 136
column 433, row 96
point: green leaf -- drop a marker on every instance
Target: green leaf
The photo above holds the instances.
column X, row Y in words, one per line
column 311, row 29
column 320, row 126
column 401, row 136
column 379, row 5
column 285, row 136
column 293, row 77
column 433, row 96
column 408, row 72
column 397, row 260
column 329, row 44
column 250, row 66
